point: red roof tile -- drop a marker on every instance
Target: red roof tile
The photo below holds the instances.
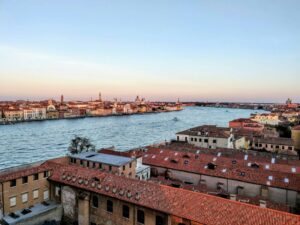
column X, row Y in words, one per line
column 186, row 204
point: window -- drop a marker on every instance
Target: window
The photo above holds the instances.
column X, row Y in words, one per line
column 57, row 191
column 12, row 201
column 93, row 223
column 100, row 165
column 24, row 180
column 141, row 217
column 200, row 140
column 94, row 165
column 35, row 194
column 192, row 139
column 214, row 141
column 130, row 165
column 159, row 220
column 13, row 183
column 123, row 167
column 46, row 174
column 24, row 197
column 46, row 195
column 206, row 140
column 125, row 211
column 88, row 164
column 95, row 202
column 81, row 162
column 110, row 206
column 36, row 176
column 110, row 168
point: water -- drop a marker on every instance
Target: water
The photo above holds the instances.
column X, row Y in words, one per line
column 33, row 141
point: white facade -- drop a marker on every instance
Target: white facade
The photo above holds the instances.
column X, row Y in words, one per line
column 268, row 119
column 35, row 114
column 206, row 141
column 143, row 172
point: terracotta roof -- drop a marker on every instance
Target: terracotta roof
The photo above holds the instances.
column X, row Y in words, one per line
column 208, row 131
column 229, row 168
column 18, row 172
column 198, row 207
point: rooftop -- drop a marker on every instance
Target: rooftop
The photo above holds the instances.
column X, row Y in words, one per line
column 247, row 169
column 208, row 131
column 198, row 207
column 103, row 158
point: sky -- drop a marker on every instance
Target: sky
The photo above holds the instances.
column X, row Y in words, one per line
column 225, row 50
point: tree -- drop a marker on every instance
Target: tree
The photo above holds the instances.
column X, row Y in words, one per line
column 80, row 144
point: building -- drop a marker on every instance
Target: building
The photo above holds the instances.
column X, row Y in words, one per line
column 296, row 137
column 246, row 124
column 207, row 136
column 120, row 165
column 268, row 119
column 24, row 192
column 35, row 113
column 246, row 175
column 276, row 145
column 89, row 196
column 13, row 115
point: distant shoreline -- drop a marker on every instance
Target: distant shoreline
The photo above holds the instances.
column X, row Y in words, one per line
column 87, row 116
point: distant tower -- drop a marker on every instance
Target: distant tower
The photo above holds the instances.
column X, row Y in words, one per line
column 62, row 99
column 289, row 101
column 100, row 97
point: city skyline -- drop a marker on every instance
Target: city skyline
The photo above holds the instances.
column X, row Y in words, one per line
column 201, row 51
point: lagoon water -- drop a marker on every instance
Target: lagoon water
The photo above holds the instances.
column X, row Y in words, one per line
column 33, row 141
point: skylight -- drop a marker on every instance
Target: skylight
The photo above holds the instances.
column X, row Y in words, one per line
column 153, row 157
column 166, row 159
column 286, row 180
column 270, row 177
column 273, row 160
column 224, row 170
column 267, row 167
column 219, row 154
column 246, row 157
column 293, row 170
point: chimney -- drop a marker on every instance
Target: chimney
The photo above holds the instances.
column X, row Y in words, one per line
column 262, row 203
column 233, row 197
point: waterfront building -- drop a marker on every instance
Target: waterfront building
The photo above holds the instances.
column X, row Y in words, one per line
column 13, row 115
column 119, row 165
column 35, row 113
column 207, row 136
column 60, row 190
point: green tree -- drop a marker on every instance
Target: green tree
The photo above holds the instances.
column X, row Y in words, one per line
column 81, row 144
